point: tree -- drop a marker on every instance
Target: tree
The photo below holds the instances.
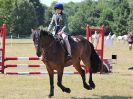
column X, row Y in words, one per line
column 24, row 18
column 39, row 9
column 47, row 15
column 76, row 24
column 80, row 17
column 6, row 8
column 130, row 18
column 121, row 14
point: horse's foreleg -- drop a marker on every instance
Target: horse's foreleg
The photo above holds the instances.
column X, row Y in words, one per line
column 51, row 79
column 92, row 84
column 59, row 82
column 82, row 73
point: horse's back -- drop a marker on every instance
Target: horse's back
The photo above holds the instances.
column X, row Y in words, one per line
column 86, row 52
column 79, row 45
column 77, row 39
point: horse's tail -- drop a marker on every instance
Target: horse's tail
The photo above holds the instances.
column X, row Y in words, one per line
column 96, row 62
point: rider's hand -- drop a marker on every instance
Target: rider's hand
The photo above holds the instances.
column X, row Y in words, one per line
column 59, row 33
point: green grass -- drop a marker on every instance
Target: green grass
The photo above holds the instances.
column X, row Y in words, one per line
column 116, row 85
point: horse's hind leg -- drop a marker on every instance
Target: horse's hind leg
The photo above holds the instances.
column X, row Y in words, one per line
column 92, row 84
column 82, row 73
column 59, row 83
column 86, row 61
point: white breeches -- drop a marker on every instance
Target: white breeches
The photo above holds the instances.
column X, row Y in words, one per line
column 65, row 37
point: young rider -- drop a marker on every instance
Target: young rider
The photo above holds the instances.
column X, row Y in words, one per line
column 59, row 25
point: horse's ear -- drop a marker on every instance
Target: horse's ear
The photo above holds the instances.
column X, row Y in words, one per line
column 41, row 32
column 32, row 33
column 32, row 30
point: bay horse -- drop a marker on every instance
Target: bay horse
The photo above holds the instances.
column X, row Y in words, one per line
column 54, row 57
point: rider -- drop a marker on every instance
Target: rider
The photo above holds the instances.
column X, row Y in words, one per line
column 60, row 25
column 130, row 40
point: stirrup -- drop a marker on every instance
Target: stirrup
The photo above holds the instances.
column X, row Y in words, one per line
column 68, row 57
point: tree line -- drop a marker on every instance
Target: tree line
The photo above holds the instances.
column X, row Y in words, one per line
column 22, row 15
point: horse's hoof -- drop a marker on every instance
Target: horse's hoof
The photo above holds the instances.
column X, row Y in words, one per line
column 50, row 95
column 67, row 90
column 92, row 85
column 87, row 87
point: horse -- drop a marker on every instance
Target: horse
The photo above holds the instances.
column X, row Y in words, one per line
column 54, row 54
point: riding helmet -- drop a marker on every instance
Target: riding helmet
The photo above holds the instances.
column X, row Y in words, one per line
column 58, row 6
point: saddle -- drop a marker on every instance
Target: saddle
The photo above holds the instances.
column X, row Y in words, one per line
column 62, row 42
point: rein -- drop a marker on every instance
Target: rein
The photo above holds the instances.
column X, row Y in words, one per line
column 44, row 50
column 50, row 45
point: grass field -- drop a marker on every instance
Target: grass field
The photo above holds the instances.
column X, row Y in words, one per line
column 116, row 85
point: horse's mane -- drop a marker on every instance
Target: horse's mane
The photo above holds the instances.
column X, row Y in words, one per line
column 46, row 33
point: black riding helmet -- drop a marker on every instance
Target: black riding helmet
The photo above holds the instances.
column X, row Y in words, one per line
column 58, row 6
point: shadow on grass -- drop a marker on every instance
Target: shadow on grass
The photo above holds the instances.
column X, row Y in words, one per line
column 104, row 97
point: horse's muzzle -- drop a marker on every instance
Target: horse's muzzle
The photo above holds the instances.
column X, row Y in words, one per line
column 38, row 53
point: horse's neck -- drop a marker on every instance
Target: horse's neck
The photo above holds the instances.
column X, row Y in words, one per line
column 48, row 43
column 53, row 51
